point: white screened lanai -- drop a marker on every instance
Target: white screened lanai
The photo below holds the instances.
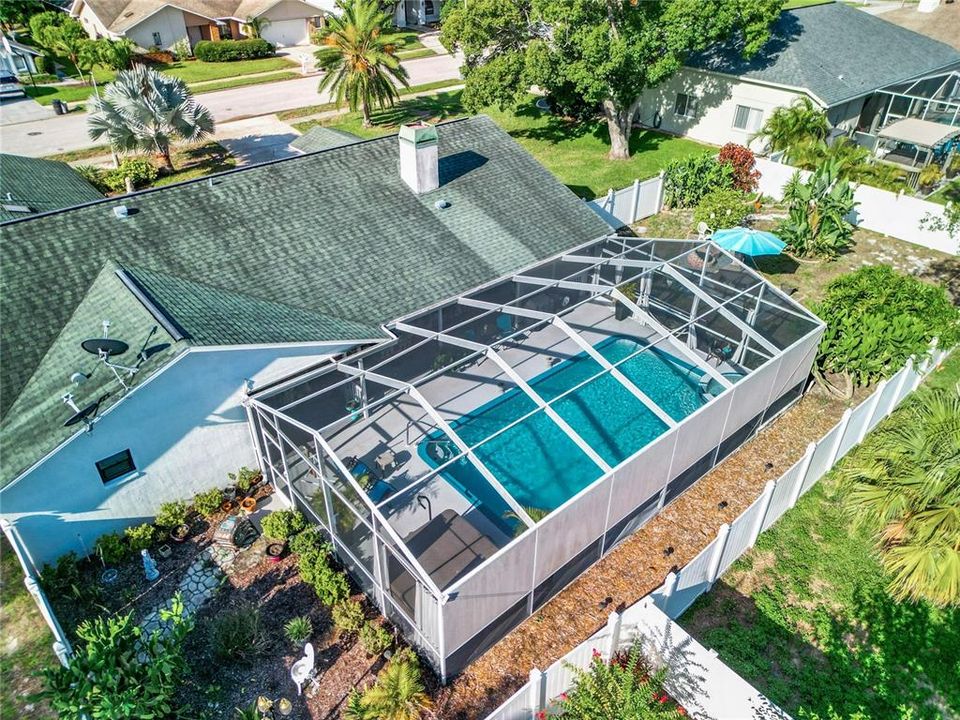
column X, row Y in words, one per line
column 504, row 440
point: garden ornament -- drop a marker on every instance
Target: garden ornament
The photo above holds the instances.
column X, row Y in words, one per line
column 149, row 566
column 302, row 669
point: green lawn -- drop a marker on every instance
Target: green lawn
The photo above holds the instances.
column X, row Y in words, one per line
column 244, row 81
column 415, row 54
column 194, row 71
column 306, row 111
column 408, row 38
column 575, row 152
column 195, row 161
column 27, row 644
column 805, row 617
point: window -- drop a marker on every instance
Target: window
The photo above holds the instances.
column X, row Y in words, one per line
column 428, row 7
column 118, row 465
column 685, row 105
column 156, row 39
column 747, row 118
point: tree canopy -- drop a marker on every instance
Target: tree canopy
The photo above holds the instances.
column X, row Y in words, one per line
column 598, row 53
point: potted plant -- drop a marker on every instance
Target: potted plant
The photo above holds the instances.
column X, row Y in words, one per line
column 928, row 178
column 227, row 505
column 245, row 480
column 275, row 550
column 172, row 517
column 248, row 505
column 180, row 533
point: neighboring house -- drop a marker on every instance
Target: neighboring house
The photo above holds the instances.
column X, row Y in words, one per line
column 158, row 24
column 841, row 58
column 17, row 58
column 29, row 186
column 322, row 138
column 319, row 252
column 413, row 13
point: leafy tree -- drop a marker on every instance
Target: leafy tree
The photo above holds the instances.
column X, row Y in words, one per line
column 907, row 487
column 118, row 672
column 360, row 58
column 62, row 35
column 604, row 51
column 398, row 693
column 876, row 319
column 143, row 110
column 116, row 54
column 816, row 224
column 17, row 13
column 790, row 126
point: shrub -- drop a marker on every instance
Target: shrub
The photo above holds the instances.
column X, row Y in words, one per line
column 745, row 174
column 399, row 692
column 117, row 672
column 95, row 176
column 686, row 181
column 930, row 176
column 330, row 584
column 228, row 50
column 348, row 616
column 42, row 64
column 208, row 503
column 877, row 318
column 298, row 630
column 237, row 635
column 181, row 49
column 816, row 224
column 310, row 540
column 139, row 170
column 141, row 537
column 375, row 638
column 722, row 209
column 171, row 514
column 112, row 549
column 281, row 524
column 626, row 684
column 63, row 577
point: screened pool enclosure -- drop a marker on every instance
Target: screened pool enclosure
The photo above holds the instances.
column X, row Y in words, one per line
column 505, row 440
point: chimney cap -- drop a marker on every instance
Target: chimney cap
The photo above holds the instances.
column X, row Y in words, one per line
column 418, row 133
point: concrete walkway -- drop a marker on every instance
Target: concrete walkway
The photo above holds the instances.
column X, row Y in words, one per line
column 257, row 140
column 431, row 41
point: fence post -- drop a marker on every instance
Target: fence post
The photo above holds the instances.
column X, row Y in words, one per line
column 714, row 570
column 536, row 698
column 609, row 200
column 835, row 450
column 802, row 475
column 40, row 599
column 613, row 640
column 635, row 200
column 765, row 499
column 874, row 402
column 661, row 190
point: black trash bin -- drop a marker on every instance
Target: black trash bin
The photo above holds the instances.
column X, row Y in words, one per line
column 58, row 107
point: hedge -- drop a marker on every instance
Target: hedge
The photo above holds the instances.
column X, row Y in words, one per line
column 227, row 50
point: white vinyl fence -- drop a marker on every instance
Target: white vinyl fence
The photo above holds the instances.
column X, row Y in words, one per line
column 882, row 211
column 61, row 645
column 696, row 678
column 632, row 203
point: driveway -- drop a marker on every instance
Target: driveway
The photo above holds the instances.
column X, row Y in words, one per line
column 37, row 138
column 257, row 140
column 20, row 110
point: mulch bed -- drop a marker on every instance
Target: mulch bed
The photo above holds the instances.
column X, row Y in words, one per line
column 638, row 566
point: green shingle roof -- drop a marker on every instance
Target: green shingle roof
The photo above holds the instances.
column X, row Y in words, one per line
column 40, row 186
column 323, row 138
column 835, row 51
column 326, row 246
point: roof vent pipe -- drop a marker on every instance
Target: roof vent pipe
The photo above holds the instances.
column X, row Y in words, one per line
column 419, row 157
column 120, row 212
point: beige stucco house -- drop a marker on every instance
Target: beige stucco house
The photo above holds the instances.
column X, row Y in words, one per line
column 838, row 56
column 158, row 24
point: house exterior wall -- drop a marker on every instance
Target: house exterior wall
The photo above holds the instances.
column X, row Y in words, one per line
column 291, row 10
column 185, row 428
column 717, row 98
column 169, row 22
column 847, row 114
column 91, row 23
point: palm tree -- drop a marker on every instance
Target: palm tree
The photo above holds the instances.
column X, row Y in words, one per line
column 360, row 58
column 254, row 26
column 398, row 694
column 907, row 487
column 144, row 110
column 787, row 127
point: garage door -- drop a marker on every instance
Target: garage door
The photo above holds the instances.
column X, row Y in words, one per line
column 284, row 33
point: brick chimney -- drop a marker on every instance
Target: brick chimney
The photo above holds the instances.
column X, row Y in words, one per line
column 419, row 157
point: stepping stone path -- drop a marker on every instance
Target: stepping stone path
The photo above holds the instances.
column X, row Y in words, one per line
column 202, row 580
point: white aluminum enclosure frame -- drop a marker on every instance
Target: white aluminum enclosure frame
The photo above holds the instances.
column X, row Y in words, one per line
column 636, row 255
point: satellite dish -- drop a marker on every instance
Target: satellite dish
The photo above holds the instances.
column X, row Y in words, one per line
column 104, row 346
column 83, row 414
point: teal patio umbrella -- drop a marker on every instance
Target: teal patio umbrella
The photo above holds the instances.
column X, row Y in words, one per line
column 748, row 242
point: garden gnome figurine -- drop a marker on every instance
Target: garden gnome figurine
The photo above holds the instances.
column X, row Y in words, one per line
column 149, row 566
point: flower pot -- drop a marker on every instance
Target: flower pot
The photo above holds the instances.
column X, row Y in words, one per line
column 275, row 551
column 164, row 551
column 248, row 505
column 180, row 533
column 227, row 505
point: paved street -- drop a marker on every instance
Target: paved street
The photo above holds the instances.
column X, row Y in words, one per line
column 37, row 138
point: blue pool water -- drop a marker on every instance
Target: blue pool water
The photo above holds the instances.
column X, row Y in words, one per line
column 535, row 461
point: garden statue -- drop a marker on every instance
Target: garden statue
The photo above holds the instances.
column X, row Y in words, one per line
column 302, row 669
column 149, row 566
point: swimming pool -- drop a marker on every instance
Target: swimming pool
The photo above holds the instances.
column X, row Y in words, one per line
column 535, row 460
